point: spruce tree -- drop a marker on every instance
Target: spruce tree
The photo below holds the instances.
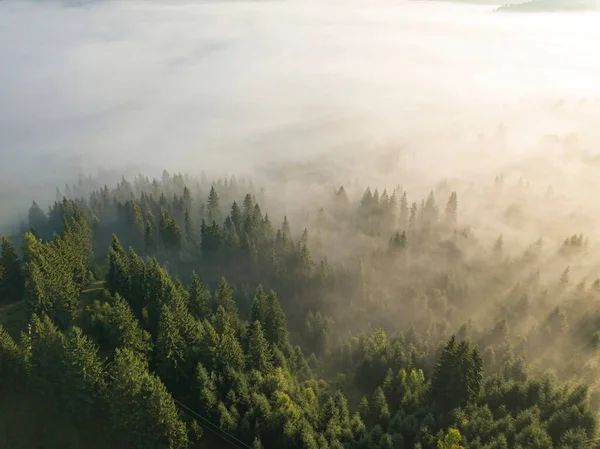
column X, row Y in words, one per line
column 118, row 279
column 190, row 234
column 214, row 208
column 451, row 210
column 12, row 277
column 259, row 307
column 457, row 375
column 275, row 322
column 83, row 377
column 170, row 348
column 224, row 296
column 38, row 222
column 200, row 298
column 150, row 235
column 12, row 363
column 258, row 352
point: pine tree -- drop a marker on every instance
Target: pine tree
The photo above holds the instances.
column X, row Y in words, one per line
column 412, row 220
column 275, row 325
column 118, row 327
column 200, row 298
column 457, row 375
column 236, row 217
column 170, row 347
column 12, row 277
column 285, row 228
column 142, row 411
column 259, row 307
column 150, row 235
column 224, row 296
column 258, row 352
column 12, row 364
column 205, row 390
column 230, row 352
column 137, row 222
column 45, row 372
column 248, row 206
column 190, row 234
column 214, row 208
column 82, row 374
column 451, row 210
column 38, row 222
column 118, row 279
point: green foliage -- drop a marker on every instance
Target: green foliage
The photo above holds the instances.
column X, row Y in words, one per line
column 452, row 440
column 11, row 360
column 457, row 376
column 12, row 279
column 143, row 414
column 376, row 320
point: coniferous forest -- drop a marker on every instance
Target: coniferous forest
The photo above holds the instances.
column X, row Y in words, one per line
column 181, row 313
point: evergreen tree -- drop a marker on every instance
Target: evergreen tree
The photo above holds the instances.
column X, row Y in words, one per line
column 117, row 326
column 190, row 234
column 118, row 278
column 236, row 217
column 149, row 235
column 200, row 298
column 258, row 351
column 275, row 322
column 38, row 221
column 412, row 219
column 214, row 208
column 142, row 412
column 82, row 376
column 170, row 347
column 12, row 364
column 457, row 375
column 224, row 296
column 259, row 307
column 451, row 210
column 12, row 278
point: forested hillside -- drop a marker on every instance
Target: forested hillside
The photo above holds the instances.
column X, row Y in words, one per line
column 178, row 312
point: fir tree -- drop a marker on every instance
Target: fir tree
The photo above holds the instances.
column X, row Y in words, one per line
column 149, row 235
column 451, row 210
column 82, row 374
column 258, row 352
column 12, row 364
column 259, row 307
column 12, row 278
column 190, row 234
column 200, row 298
column 275, row 325
column 224, row 296
column 170, row 347
column 214, row 208
column 236, row 217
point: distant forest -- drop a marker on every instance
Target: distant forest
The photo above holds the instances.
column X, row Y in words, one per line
column 178, row 313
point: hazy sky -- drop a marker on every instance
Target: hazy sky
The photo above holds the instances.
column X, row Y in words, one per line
column 235, row 85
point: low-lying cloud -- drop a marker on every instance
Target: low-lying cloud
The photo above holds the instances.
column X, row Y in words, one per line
column 388, row 92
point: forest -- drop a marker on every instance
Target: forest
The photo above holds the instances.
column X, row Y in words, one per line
column 181, row 312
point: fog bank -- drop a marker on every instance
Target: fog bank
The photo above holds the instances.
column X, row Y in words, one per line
column 398, row 93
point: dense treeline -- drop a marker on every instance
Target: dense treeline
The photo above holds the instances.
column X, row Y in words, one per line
column 177, row 313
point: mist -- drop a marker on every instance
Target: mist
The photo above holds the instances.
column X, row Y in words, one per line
column 464, row 136
column 306, row 96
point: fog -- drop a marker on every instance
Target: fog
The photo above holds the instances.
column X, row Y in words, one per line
column 304, row 96
column 387, row 92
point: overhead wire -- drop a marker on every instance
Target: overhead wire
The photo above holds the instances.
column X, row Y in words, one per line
column 236, row 442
